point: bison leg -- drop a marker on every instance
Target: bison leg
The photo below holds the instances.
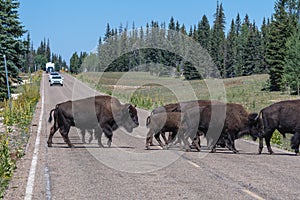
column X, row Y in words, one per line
column 149, row 138
column 108, row 133
column 52, row 132
column 156, row 135
column 163, row 135
column 230, row 143
column 91, row 137
column 197, row 142
column 186, row 143
column 83, row 135
column 64, row 133
column 261, row 145
column 213, row 150
column 151, row 141
column 295, row 142
column 268, row 139
column 98, row 136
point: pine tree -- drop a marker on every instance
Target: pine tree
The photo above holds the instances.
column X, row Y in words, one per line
column 242, row 41
column 107, row 33
column 74, row 63
column 11, row 45
column 48, row 51
column 252, row 53
column 265, row 31
column 231, row 51
column 292, row 62
column 182, row 30
column 190, row 72
column 27, row 44
column 275, row 54
column 218, row 40
column 204, row 33
column 172, row 24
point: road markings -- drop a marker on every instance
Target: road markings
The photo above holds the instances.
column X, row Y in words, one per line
column 31, row 176
column 244, row 190
column 48, row 187
column 194, row 164
column 253, row 194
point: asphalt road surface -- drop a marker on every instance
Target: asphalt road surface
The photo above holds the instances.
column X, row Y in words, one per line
column 128, row 171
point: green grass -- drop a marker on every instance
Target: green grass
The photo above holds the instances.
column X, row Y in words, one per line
column 245, row 90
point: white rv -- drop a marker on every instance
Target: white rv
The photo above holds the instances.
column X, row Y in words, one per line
column 50, row 67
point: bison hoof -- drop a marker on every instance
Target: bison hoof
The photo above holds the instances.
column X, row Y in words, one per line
column 100, row 145
column 151, row 144
column 271, row 152
column 213, row 151
column 71, row 145
column 147, row 148
column 49, row 144
column 109, row 143
column 165, row 147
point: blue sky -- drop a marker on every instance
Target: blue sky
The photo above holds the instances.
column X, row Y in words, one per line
column 76, row 25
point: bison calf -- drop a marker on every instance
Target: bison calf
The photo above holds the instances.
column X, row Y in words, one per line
column 162, row 122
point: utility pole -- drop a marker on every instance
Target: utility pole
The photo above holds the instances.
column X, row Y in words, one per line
column 7, row 83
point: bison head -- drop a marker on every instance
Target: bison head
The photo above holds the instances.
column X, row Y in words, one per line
column 129, row 117
column 254, row 125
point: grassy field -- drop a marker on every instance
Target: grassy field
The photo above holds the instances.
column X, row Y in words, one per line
column 147, row 91
column 133, row 86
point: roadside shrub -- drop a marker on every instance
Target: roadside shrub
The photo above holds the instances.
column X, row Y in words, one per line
column 277, row 138
column 17, row 115
column 7, row 164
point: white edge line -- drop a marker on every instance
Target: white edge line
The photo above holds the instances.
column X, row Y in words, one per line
column 253, row 194
column 194, row 164
column 31, row 176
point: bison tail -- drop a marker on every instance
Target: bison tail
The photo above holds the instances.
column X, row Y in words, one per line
column 258, row 116
column 50, row 115
column 148, row 121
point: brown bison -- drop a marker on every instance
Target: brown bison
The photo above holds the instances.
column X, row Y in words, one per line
column 219, row 123
column 102, row 113
column 178, row 107
column 283, row 116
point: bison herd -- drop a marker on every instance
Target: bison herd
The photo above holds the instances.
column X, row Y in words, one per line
column 220, row 123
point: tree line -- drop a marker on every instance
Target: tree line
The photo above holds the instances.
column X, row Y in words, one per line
column 245, row 49
column 19, row 53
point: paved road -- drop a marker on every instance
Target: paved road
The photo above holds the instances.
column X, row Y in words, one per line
column 128, row 171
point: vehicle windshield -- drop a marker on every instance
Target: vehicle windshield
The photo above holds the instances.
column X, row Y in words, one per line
column 54, row 73
column 56, row 77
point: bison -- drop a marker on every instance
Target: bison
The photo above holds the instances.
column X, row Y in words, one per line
column 219, row 122
column 283, row 116
column 162, row 122
column 178, row 107
column 102, row 113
